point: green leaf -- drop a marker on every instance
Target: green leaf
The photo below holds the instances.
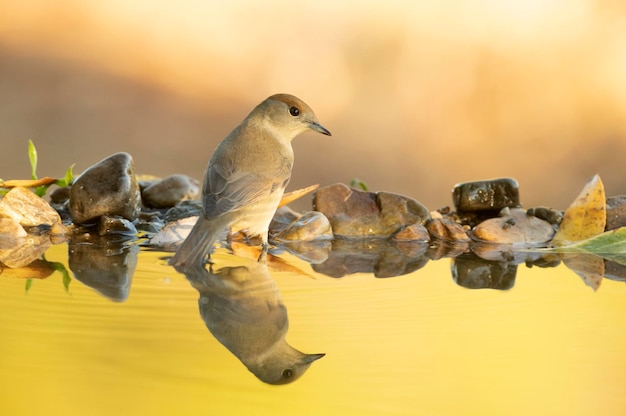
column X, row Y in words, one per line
column 67, row 180
column 29, row 283
column 32, row 156
column 610, row 245
column 60, row 267
column 357, row 183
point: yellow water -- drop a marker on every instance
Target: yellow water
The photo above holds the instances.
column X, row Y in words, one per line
column 414, row 345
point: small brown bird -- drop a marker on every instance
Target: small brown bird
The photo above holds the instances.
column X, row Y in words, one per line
column 247, row 174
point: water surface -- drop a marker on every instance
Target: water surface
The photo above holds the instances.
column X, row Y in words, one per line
column 412, row 344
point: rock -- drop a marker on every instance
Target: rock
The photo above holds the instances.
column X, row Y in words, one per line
column 615, row 212
column 107, row 188
column 310, row 226
column 413, row 232
column 491, row 195
column 60, row 195
column 447, row 230
column 149, row 222
column 10, row 228
column 28, row 209
column 115, row 226
column 283, row 217
column 173, row 234
column 190, row 208
column 549, row 215
column 515, row 226
column 169, row 191
column 354, row 213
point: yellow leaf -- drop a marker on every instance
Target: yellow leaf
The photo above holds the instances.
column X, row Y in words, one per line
column 298, row 193
column 585, row 217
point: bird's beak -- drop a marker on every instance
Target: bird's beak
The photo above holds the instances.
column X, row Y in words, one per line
column 319, row 128
column 309, row 358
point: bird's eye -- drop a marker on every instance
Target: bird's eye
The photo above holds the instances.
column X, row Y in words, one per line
column 287, row 373
column 294, row 111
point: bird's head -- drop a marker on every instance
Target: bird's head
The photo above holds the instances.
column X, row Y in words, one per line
column 289, row 116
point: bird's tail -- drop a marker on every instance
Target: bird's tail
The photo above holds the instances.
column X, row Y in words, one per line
column 197, row 245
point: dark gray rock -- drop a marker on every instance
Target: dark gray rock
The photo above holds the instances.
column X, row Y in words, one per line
column 615, row 212
column 169, row 191
column 190, row 208
column 115, row 226
column 354, row 213
column 491, row 195
column 107, row 188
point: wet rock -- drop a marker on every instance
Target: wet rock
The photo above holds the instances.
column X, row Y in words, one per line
column 173, row 234
column 29, row 210
column 60, row 196
column 190, row 208
column 169, row 191
column 515, row 226
column 354, row 213
column 549, row 215
column 615, row 212
column 10, row 228
column 283, row 217
column 491, row 195
column 447, row 230
column 310, row 226
column 104, row 265
column 115, row 226
column 474, row 273
column 149, row 222
column 107, row 188
column 413, row 232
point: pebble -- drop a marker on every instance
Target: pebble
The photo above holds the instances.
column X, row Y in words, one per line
column 489, row 195
column 310, row 226
column 446, row 230
column 354, row 213
column 107, row 188
column 30, row 211
column 169, row 191
column 514, row 226
column 108, row 225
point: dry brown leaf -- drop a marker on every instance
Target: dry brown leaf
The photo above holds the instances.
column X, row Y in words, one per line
column 27, row 183
column 585, row 217
column 38, row 269
column 298, row 193
column 273, row 262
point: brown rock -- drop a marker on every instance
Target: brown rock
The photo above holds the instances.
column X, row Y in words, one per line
column 354, row 213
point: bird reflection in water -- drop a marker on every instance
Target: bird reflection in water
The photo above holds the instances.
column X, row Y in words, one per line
column 242, row 308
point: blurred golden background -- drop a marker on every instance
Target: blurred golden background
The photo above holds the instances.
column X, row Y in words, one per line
column 419, row 95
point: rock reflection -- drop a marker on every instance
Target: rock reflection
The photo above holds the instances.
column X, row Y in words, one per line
column 375, row 256
column 472, row 272
column 242, row 308
column 105, row 265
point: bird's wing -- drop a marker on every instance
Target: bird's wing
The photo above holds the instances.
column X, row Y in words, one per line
column 230, row 189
